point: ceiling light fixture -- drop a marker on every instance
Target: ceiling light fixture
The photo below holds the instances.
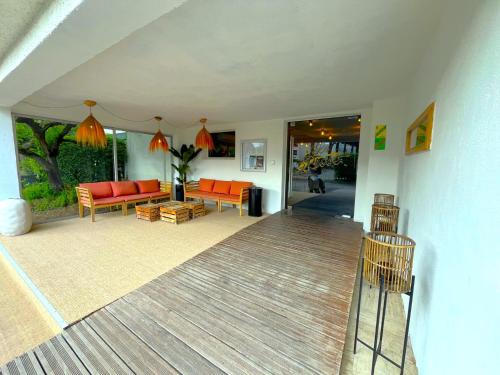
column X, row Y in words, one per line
column 159, row 141
column 310, row 123
column 322, row 132
column 90, row 132
column 330, row 137
column 203, row 138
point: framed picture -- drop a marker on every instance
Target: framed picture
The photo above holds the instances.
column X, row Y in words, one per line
column 419, row 134
column 224, row 145
column 380, row 137
column 253, row 155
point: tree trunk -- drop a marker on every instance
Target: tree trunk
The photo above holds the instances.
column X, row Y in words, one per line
column 53, row 174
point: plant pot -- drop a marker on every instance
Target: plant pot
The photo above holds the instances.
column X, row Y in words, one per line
column 179, row 193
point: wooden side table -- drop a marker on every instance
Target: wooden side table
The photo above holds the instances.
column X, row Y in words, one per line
column 149, row 212
column 196, row 208
column 174, row 213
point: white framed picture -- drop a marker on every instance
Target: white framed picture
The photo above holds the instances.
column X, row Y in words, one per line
column 253, row 155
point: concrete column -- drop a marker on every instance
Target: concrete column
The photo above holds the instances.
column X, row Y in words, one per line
column 9, row 172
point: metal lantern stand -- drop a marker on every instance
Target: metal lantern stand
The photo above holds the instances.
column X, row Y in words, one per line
column 388, row 279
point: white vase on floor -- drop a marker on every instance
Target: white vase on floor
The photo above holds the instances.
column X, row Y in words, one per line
column 15, row 217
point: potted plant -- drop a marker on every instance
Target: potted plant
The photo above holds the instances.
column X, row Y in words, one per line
column 185, row 155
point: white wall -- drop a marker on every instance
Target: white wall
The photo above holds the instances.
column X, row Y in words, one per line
column 229, row 169
column 9, row 177
column 382, row 166
column 450, row 196
column 143, row 165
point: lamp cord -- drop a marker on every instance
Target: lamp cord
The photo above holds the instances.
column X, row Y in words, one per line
column 104, row 109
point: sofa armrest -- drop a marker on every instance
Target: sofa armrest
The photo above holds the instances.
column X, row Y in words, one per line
column 191, row 185
column 166, row 187
column 85, row 197
column 244, row 193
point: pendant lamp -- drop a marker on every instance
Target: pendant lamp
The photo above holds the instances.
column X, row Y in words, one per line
column 203, row 138
column 90, row 132
column 159, row 141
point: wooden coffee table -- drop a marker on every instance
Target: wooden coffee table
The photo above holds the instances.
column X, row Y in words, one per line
column 196, row 208
column 149, row 211
column 174, row 212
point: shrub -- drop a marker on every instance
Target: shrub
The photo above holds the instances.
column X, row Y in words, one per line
column 37, row 191
column 51, row 201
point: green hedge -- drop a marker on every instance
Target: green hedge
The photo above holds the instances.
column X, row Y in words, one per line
column 43, row 198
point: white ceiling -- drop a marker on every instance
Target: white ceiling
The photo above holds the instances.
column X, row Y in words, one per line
column 239, row 60
column 16, row 17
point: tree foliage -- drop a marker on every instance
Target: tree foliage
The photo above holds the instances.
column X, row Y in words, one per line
column 52, row 163
column 185, row 155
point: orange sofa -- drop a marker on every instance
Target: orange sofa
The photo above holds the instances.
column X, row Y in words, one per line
column 95, row 195
column 233, row 192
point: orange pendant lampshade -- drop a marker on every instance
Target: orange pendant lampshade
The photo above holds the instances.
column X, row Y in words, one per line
column 90, row 132
column 159, row 141
column 203, row 138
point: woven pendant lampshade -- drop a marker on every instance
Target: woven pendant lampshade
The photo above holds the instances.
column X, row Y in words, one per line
column 159, row 141
column 203, row 138
column 90, row 132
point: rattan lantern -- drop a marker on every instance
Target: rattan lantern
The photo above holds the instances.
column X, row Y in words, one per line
column 387, row 264
column 381, row 198
column 390, row 255
column 384, row 218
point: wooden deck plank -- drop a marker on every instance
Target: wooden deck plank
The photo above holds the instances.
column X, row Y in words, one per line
column 94, row 353
column 180, row 355
column 258, row 278
column 315, row 339
column 229, row 330
column 140, row 358
column 240, row 330
column 179, row 323
column 273, row 298
column 57, row 357
column 26, row 364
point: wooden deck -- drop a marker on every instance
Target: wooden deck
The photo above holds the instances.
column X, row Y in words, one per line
column 272, row 299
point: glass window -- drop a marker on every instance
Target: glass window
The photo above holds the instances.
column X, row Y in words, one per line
column 52, row 163
column 135, row 162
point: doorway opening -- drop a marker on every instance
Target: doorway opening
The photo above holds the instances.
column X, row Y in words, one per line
column 322, row 165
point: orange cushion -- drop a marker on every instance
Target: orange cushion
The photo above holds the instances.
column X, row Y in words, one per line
column 156, row 194
column 206, row 185
column 148, row 186
column 136, row 197
column 236, row 186
column 106, row 201
column 222, row 187
column 123, row 188
column 99, row 189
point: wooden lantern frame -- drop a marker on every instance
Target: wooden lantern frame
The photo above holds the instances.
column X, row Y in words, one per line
column 382, row 198
column 384, row 218
column 390, row 255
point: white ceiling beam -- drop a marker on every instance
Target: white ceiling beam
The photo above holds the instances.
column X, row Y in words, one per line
column 70, row 33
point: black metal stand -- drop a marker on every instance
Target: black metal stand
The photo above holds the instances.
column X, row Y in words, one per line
column 377, row 341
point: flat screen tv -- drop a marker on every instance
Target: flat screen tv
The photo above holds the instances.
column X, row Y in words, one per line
column 224, row 145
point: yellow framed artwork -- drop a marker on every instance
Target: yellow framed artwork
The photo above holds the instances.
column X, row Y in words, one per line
column 419, row 134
